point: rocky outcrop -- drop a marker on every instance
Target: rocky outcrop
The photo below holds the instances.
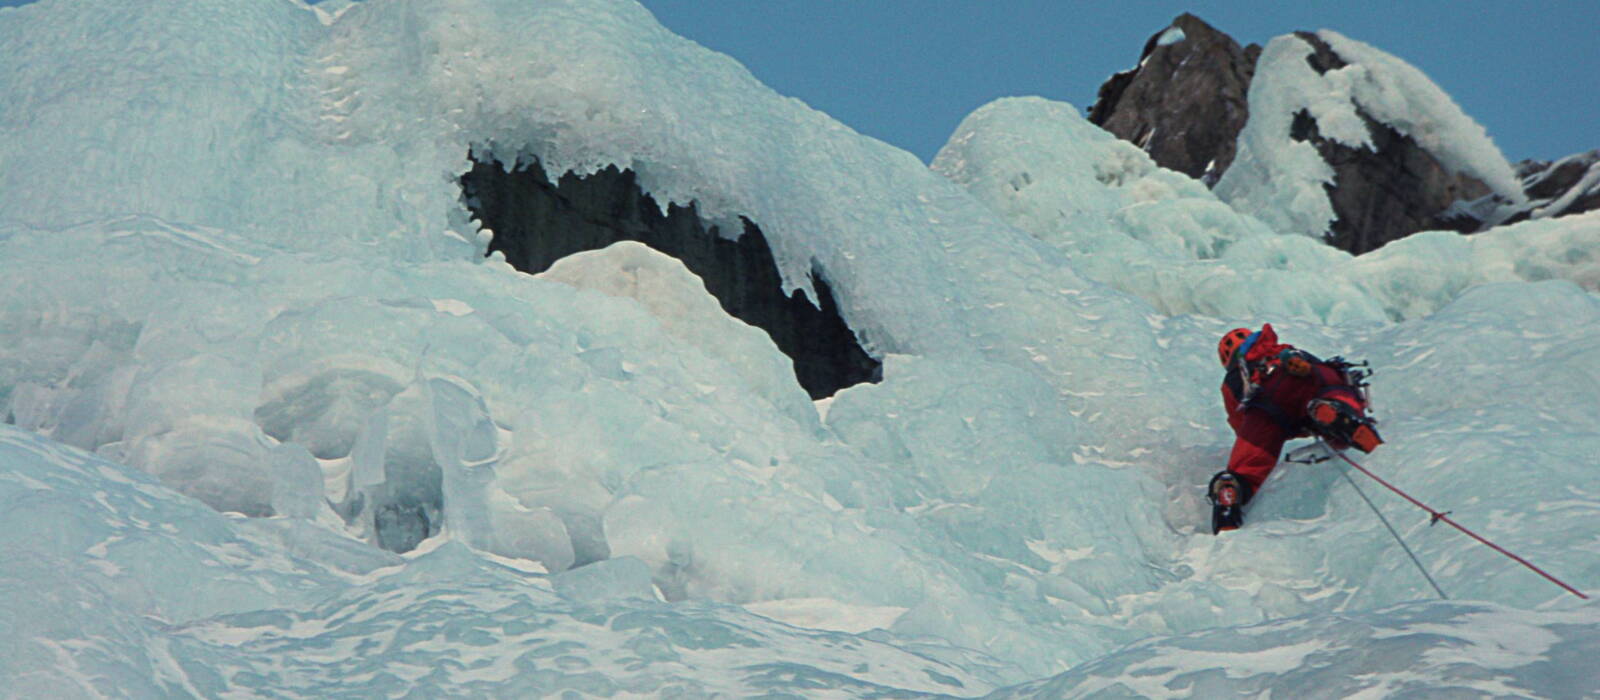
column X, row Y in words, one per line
column 1397, row 188
column 537, row 222
column 1186, row 101
column 1386, row 192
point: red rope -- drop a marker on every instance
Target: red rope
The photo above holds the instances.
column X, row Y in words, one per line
column 1437, row 516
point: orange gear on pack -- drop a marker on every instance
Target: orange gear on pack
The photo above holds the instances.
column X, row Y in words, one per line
column 1230, row 342
column 1298, row 363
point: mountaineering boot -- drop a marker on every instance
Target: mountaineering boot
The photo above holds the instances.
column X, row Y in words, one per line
column 1228, row 494
column 1342, row 425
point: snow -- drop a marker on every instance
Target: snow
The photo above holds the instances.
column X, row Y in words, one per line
column 1453, row 649
column 679, row 300
column 274, row 305
column 1158, row 235
column 828, row 614
column 1147, row 231
column 1417, row 275
column 250, row 606
column 1280, row 180
column 1171, row 36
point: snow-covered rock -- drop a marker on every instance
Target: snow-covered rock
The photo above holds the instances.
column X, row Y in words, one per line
column 1352, row 144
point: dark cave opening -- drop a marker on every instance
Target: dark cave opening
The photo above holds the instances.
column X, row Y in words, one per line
column 537, row 222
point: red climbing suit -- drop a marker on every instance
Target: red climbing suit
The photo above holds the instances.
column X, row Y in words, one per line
column 1276, row 409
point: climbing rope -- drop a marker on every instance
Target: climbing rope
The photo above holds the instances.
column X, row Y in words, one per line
column 1346, row 474
column 1436, row 517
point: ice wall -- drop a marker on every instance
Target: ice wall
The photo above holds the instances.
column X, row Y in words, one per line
column 536, row 223
column 318, row 338
column 115, row 586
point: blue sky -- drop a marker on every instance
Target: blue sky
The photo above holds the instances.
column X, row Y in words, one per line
column 908, row 71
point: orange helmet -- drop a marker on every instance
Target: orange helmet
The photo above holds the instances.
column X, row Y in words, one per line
column 1230, row 342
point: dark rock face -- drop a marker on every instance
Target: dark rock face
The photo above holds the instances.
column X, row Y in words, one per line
column 537, row 223
column 1186, row 101
column 1392, row 192
column 1387, row 192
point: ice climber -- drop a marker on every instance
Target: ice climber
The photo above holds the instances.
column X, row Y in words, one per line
column 1274, row 392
